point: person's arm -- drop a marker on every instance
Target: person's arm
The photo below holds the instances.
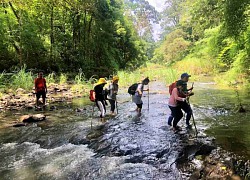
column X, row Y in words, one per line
column 116, row 89
column 176, row 97
column 139, row 89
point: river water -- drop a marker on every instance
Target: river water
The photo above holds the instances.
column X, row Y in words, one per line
column 74, row 145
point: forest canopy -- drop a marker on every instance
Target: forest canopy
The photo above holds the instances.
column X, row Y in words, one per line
column 66, row 35
column 206, row 36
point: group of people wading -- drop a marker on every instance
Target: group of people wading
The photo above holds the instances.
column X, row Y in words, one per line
column 178, row 101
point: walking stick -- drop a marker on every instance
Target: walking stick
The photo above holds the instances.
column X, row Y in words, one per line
column 91, row 123
column 116, row 106
column 148, row 96
column 192, row 115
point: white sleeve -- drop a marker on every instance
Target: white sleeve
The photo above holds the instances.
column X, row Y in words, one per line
column 139, row 87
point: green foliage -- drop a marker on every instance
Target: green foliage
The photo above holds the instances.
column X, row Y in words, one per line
column 153, row 71
column 51, row 78
column 174, row 48
column 62, row 79
column 22, row 79
column 80, row 78
column 236, row 14
column 207, row 37
column 96, row 36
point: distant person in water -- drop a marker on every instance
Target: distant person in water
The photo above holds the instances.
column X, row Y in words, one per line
column 184, row 93
column 137, row 97
column 40, row 88
column 113, row 89
column 100, row 97
column 174, row 106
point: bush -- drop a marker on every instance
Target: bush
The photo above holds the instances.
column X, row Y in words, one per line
column 63, row 79
column 22, row 79
column 50, row 79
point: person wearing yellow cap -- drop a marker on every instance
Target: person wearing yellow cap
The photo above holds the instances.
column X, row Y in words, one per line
column 100, row 97
column 113, row 89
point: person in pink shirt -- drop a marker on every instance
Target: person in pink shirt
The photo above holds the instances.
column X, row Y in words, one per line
column 173, row 104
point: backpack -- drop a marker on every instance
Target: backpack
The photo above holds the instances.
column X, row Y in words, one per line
column 92, row 95
column 132, row 89
column 171, row 87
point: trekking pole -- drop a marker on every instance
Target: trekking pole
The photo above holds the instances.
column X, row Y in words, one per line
column 116, row 106
column 148, row 96
column 91, row 123
column 192, row 115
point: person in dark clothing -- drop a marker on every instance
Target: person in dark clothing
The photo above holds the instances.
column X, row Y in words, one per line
column 100, row 97
column 185, row 92
column 113, row 89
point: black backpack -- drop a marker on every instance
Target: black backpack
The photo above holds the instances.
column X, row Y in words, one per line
column 132, row 89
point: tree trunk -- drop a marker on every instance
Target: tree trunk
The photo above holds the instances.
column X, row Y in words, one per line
column 17, row 44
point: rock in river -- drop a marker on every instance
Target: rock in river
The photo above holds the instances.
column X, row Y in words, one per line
column 32, row 118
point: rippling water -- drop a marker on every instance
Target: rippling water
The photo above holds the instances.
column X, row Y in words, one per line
column 127, row 147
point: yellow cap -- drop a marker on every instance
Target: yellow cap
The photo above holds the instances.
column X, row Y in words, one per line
column 115, row 78
column 101, row 81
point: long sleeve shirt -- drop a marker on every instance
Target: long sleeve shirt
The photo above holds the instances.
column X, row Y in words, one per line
column 174, row 98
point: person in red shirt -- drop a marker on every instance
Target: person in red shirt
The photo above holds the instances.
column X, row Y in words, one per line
column 40, row 88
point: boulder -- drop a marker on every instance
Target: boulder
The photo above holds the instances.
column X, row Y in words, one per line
column 32, row 118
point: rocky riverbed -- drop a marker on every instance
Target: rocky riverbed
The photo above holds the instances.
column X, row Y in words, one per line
column 72, row 144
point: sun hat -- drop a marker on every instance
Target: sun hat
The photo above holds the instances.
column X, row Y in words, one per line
column 101, row 81
column 115, row 78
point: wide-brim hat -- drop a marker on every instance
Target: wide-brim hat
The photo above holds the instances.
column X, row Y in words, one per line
column 101, row 81
column 115, row 78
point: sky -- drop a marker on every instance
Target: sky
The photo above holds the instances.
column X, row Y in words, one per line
column 159, row 5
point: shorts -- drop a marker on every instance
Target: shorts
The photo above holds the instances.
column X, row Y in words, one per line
column 41, row 93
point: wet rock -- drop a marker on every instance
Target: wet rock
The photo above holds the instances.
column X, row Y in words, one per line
column 79, row 110
column 241, row 110
column 29, row 106
column 32, row 118
column 52, row 108
column 19, row 124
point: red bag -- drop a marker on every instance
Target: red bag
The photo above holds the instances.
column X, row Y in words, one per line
column 92, row 95
column 171, row 87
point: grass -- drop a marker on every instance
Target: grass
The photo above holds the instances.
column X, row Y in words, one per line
column 81, row 84
column 63, row 79
column 153, row 71
column 51, row 78
column 22, row 79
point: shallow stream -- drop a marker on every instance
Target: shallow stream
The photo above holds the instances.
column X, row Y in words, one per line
column 73, row 144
